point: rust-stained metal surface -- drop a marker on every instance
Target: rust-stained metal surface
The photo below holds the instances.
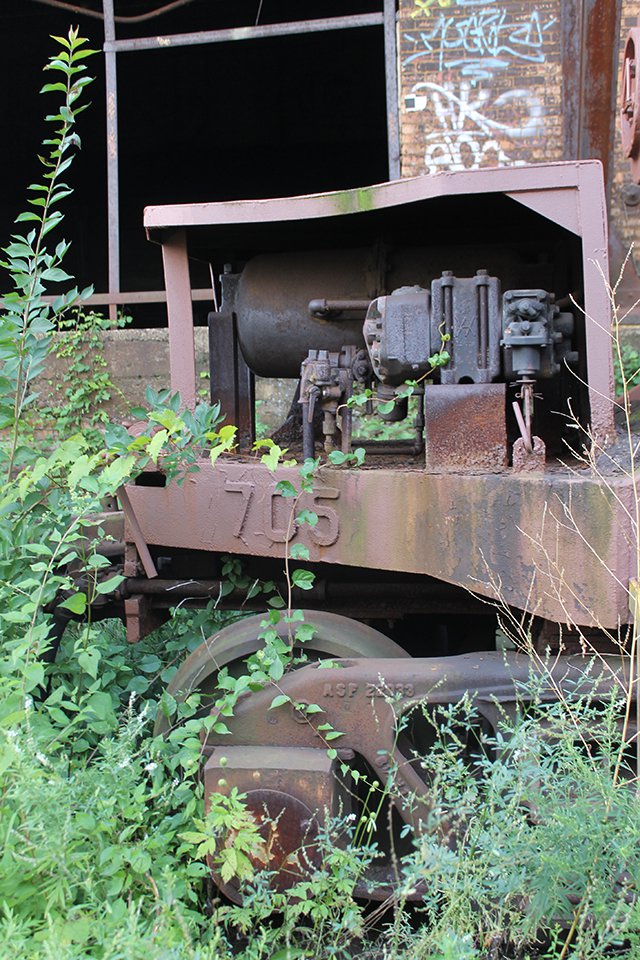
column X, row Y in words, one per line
column 257, row 32
column 589, row 66
column 482, row 514
column 334, row 636
column 495, row 534
column 136, row 535
column 530, row 460
column 363, row 698
column 231, row 381
column 465, row 427
column 182, row 350
column 501, row 328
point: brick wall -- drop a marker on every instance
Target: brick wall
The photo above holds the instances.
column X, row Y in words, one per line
column 480, row 85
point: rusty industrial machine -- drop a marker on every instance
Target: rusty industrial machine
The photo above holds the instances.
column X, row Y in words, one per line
column 484, row 290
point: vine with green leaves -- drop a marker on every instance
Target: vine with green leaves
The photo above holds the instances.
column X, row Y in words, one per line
column 79, row 397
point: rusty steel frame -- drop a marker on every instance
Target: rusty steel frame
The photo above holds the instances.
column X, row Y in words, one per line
column 113, row 46
column 589, row 73
column 590, row 30
column 113, row 187
column 234, row 508
column 125, row 297
column 391, row 86
column 521, row 539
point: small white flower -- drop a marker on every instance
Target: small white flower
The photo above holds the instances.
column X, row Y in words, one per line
column 151, row 766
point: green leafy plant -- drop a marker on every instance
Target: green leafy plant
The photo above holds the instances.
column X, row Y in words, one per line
column 626, row 367
column 229, row 836
column 78, row 398
column 27, row 320
column 365, row 398
column 525, row 860
column 171, row 437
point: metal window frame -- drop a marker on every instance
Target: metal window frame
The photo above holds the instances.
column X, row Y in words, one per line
column 386, row 18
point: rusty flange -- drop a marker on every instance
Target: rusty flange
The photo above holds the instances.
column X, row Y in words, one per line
column 335, row 636
column 630, row 103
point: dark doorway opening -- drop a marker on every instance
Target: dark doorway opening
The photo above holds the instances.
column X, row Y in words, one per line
column 247, row 119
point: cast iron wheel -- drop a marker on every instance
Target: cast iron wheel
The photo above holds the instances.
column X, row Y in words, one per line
column 335, row 636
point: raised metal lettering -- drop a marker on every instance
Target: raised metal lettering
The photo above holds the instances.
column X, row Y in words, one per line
column 246, row 488
column 285, row 533
column 327, row 530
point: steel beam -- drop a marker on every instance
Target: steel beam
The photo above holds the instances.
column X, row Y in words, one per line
column 243, row 33
column 113, row 211
column 590, row 32
column 124, row 297
column 391, row 84
column 180, row 315
column 231, row 381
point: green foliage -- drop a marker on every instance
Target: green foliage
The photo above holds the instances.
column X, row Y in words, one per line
column 547, row 832
column 629, row 371
column 78, row 398
column 353, row 459
column 169, row 433
column 363, row 399
column 372, row 427
column 26, row 320
column 230, row 836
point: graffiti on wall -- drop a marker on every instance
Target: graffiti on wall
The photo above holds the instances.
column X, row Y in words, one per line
column 480, row 41
column 469, row 128
column 475, row 117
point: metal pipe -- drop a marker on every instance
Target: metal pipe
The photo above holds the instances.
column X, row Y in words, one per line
column 110, row 548
column 331, row 309
column 391, row 84
column 244, row 33
column 139, row 18
column 113, row 203
column 406, row 448
column 322, row 590
column 135, row 296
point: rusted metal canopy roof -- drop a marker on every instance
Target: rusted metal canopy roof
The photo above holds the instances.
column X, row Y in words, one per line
column 552, row 189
